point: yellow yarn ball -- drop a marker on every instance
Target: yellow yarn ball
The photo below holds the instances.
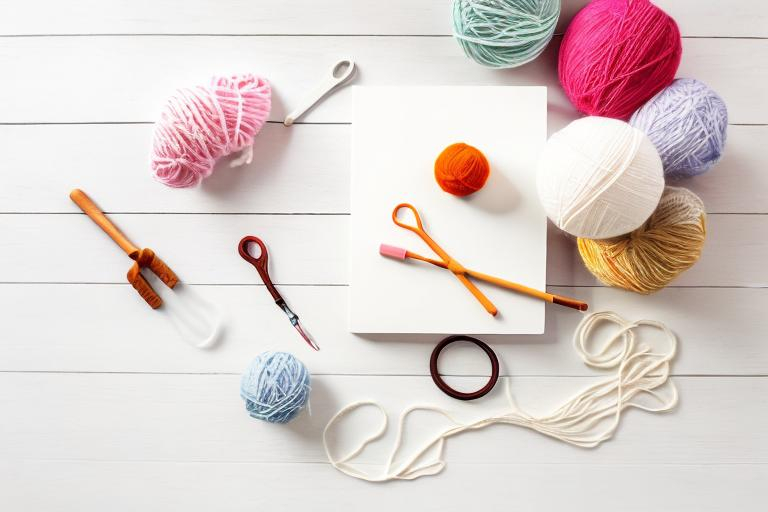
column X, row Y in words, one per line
column 650, row 257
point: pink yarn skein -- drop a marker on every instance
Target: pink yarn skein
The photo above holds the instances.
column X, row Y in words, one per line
column 616, row 55
column 199, row 125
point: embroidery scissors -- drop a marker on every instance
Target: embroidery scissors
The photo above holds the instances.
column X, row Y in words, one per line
column 262, row 267
column 461, row 273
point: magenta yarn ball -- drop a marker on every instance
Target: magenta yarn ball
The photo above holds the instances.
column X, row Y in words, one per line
column 616, row 55
column 199, row 125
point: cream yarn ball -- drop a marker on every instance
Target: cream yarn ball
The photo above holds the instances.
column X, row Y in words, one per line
column 599, row 178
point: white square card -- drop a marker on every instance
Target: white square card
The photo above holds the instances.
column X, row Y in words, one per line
column 397, row 132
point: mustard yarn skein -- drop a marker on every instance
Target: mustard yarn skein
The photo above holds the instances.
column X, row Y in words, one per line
column 650, row 257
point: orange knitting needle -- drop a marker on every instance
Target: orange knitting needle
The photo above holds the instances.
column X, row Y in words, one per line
column 454, row 266
column 142, row 257
column 85, row 203
column 449, row 263
column 397, row 253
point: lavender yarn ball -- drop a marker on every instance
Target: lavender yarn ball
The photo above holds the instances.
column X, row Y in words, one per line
column 687, row 123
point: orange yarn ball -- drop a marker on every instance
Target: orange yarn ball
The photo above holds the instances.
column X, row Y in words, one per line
column 461, row 169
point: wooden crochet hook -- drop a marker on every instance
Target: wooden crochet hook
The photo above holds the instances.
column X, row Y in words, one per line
column 143, row 258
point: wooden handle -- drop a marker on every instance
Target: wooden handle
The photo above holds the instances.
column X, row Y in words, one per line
column 571, row 303
column 85, row 203
column 146, row 258
column 141, row 285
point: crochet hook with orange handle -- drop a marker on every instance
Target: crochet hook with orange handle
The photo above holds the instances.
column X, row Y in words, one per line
column 402, row 254
column 451, row 264
column 143, row 258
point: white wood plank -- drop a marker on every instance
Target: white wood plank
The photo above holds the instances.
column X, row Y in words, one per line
column 395, row 17
column 300, row 169
column 129, row 78
column 305, row 249
column 202, row 418
column 107, row 328
column 737, row 184
column 153, row 486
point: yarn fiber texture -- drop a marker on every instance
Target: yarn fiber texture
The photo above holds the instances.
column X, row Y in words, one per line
column 199, row 125
column 504, row 33
column 649, row 258
column 687, row 123
column 275, row 387
column 599, row 178
column 616, row 55
column 461, row 169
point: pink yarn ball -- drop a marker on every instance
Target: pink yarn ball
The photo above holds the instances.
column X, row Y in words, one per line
column 616, row 55
column 199, row 125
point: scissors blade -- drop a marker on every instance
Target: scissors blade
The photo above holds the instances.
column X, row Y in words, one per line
column 294, row 318
column 305, row 335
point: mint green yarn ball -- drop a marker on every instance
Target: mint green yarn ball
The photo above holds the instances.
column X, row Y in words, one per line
column 504, row 33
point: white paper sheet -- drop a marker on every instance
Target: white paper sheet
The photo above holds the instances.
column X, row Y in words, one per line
column 397, row 133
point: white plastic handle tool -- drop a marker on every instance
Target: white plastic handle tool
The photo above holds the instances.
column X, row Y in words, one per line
column 341, row 72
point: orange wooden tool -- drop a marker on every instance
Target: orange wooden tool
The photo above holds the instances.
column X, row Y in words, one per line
column 142, row 258
column 454, row 266
column 449, row 263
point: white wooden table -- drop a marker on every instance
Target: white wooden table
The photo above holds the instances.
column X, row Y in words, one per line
column 103, row 408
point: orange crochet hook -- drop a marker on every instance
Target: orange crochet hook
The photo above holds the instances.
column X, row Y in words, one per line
column 143, row 258
column 448, row 263
column 451, row 264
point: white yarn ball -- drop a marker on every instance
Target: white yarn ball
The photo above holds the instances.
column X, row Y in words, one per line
column 599, row 178
column 687, row 122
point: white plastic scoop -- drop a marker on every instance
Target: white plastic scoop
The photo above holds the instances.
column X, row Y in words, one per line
column 341, row 72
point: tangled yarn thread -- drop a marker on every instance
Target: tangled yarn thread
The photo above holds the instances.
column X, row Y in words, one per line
column 649, row 258
column 199, row 125
column 687, row 123
column 275, row 387
column 599, row 178
column 504, row 33
column 586, row 420
column 616, row 55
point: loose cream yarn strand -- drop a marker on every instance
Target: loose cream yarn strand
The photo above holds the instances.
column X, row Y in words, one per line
column 638, row 370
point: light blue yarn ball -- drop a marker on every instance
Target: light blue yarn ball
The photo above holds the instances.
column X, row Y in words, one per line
column 687, row 123
column 504, row 33
column 275, row 387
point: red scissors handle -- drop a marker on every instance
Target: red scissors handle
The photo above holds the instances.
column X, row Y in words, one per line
column 261, row 263
column 262, row 267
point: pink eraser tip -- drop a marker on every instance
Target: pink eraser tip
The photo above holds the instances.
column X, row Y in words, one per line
column 392, row 252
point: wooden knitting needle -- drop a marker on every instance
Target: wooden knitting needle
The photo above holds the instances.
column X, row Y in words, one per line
column 85, row 203
column 402, row 254
column 142, row 257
